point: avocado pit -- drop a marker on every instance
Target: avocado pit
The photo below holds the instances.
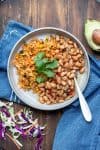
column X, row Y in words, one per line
column 96, row 36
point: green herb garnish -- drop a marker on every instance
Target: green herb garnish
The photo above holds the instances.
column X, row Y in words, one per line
column 39, row 56
column 40, row 79
column 49, row 73
column 44, row 66
column 52, row 64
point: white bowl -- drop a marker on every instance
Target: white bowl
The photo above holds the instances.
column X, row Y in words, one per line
column 29, row 97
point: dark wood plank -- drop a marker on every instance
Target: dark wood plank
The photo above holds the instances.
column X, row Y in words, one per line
column 65, row 14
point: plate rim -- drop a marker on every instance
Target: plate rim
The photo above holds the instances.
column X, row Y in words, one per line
column 70, row 35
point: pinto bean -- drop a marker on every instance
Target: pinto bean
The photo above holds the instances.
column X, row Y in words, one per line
column 61, row 62
column 65, row 78
column 41, row 99
column 59, row 69
column 61, row 100
column 70, row 62
column 71, row 75
column 69, row 82
column 58, row 79
column 63, row 74
column 53, row 85
column 82, row 70
column 48, row 85
column 78, row 64
column 63, row 82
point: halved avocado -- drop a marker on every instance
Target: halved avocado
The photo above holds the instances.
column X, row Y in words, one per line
column 92, row 34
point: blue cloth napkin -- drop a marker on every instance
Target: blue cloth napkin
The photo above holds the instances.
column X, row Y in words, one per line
column 72, row 133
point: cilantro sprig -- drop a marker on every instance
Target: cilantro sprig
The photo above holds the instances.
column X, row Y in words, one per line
column 45, row 67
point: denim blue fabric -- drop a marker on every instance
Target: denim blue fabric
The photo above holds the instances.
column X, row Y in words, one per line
column 72, row 133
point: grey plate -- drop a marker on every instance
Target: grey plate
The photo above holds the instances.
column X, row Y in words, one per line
column 30, row 98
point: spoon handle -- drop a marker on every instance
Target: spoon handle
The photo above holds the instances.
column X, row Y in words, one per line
column 84, row 106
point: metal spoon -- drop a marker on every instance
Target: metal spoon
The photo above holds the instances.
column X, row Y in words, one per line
column 84, row 106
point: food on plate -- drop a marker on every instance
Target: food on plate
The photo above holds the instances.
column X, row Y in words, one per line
column 92, row 34
column 48, row 67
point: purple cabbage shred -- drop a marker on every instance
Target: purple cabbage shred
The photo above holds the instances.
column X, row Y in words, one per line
column 2, row 130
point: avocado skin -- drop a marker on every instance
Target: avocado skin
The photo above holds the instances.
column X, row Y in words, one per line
column 90, row 26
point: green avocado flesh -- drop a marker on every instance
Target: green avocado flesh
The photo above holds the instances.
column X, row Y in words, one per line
column 90, row 26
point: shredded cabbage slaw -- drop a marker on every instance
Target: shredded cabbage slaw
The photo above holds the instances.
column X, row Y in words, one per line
column 20, row 124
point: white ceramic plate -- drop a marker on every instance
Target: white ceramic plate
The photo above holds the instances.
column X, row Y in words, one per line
column 29, row 97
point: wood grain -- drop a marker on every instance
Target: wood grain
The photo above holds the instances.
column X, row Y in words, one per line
column 65, row 14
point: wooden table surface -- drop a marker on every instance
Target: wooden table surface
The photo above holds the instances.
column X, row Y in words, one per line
column 66, row 14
